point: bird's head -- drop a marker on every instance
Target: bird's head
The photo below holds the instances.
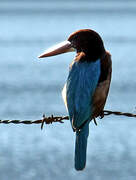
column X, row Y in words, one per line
column 87, row 43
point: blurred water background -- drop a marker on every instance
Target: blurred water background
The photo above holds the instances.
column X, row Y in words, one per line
column 30, row 87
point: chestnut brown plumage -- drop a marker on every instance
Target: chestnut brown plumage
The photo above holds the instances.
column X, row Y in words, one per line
column 101, row 92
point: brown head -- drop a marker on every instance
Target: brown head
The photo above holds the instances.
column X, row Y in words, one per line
column 89, row 43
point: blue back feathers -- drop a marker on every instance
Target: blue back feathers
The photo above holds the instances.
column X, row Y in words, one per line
column 81, row 84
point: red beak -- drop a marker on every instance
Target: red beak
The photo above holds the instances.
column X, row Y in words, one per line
column 60, row 48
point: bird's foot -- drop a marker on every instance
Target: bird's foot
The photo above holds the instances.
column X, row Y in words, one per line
column 95, row 122
column 101, row 115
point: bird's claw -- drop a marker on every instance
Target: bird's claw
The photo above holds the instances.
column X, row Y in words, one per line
column 95, row 122
column 101, row 115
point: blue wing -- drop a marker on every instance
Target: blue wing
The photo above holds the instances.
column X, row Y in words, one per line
column 81, row 84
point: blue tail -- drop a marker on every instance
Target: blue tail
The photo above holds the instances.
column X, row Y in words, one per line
column 81, row 147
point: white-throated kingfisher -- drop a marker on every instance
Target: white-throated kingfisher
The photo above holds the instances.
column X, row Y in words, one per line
column 87, row 86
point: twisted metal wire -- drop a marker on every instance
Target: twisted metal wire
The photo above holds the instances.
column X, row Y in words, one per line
column 51, row 119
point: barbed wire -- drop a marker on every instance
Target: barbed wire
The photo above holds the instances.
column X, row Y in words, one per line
column 51, row 119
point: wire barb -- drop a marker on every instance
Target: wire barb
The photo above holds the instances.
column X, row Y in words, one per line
column 51, row 119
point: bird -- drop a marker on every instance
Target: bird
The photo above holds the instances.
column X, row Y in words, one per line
column 87, row 86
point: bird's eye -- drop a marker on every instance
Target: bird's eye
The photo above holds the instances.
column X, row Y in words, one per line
column 73, row 44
